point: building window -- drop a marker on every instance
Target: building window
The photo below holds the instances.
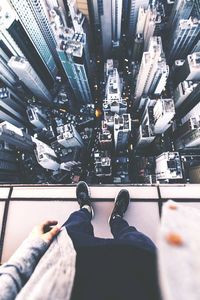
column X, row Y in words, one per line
column 100, row 7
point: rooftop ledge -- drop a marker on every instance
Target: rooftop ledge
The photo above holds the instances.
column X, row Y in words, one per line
column 23, row 206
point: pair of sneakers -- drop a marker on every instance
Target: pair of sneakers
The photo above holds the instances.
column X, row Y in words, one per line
column 120, row 205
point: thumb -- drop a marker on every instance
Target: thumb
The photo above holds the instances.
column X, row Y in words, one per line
column 52, row 233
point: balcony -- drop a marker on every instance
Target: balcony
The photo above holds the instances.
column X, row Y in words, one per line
column 23, row 206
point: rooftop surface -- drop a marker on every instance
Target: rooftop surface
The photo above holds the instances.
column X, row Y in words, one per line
column 23, row 206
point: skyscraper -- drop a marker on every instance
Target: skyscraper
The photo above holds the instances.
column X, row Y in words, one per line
column 188, row 133
column 196, row 9
column 7, row 75
column 145, row 28
column 11, row 99
column 16, row 137
column 145, row 134
column 46, row 156
column 196, row 47
column 36, row 117
column 168, row 167
column 163, row 113
column 105, row 138
column 34, row 22
column 113, row 102
column 9, row 172
column 12, row 109
column 132, row 16
column 190, row 70
column 153, row 71
column 8, row 17
column 149, row 26
column 68, row 136
column 116, row 21
column 181, row 10
column 106, row 21
column 183, row 39
column 122, row 129
column 190, row 101
column 73, row 59
column 30, row 78
column 183, row 90
column 88, row 120
column 16, row 41
column 102, row 163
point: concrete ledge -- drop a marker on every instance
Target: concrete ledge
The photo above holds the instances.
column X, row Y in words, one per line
column 24, row 215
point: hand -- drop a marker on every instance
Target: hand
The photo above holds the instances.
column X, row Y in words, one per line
column 45, row 231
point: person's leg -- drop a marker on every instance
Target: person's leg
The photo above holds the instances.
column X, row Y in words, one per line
column 79, row 225
column 80, row 222
column 121, row 229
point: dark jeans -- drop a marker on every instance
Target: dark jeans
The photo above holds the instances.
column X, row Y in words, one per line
column 81, row 231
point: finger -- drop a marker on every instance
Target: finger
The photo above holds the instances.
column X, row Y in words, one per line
column 48, row 223
column 53, row 232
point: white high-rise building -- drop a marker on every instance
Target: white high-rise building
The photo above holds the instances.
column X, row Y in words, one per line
column 149, row 27
column 145, row 135
column 153, row 71
column 113, row 85
column 105, row 138
column 142, row 14
column 188, row 133
column 122, row 129
column 132, row 15
column 46, row 156
column 68, row 136
column 116, row 21
column 107, row 23
column 7, row 75
column 36, row 117
column 30, row 78
column 163, row 113
column 168, row 167
column 76, row 17
column 113, row 102
column 183, row 90
column 16, row 137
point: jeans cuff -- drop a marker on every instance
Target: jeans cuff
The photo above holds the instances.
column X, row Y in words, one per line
column 87, row 212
